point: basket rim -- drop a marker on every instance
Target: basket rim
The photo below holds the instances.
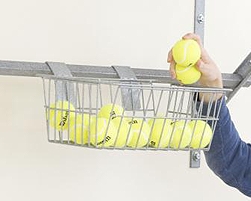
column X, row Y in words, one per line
column 132, row 83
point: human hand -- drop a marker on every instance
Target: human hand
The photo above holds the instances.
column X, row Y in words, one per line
column 210, row 73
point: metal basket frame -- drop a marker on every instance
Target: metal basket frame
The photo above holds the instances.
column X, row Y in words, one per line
column 181, row 104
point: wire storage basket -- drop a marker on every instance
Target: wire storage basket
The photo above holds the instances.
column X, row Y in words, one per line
column 125, row 114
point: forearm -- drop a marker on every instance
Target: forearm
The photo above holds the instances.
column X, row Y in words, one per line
column 229, row 157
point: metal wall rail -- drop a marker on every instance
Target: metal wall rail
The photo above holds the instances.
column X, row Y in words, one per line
column 32, row 69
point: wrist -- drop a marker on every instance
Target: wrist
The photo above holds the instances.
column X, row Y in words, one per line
column 217, row 83
column 212, row 82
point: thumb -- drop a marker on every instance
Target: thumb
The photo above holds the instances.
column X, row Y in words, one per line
column 172, row 70
column 206, row 72
column 169, row 57
column 200, row 65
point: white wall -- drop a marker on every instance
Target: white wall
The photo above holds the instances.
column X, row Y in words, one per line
column 136, row 33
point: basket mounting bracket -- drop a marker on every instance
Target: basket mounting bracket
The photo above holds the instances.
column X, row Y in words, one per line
column 64, row 90
column 130, row 93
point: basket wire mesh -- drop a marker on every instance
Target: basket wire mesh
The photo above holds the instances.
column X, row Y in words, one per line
column 147, row 111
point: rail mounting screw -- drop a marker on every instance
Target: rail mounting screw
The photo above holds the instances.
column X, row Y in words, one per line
column 200, row 18
column 196, row 156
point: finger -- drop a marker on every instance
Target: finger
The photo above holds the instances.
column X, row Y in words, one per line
column 200, row 65
column 172, row 70
column 204, row 68
column 169, row 57
column 194, row 37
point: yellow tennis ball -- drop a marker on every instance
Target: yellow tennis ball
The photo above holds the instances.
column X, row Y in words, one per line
column 123, row 136
column 110, row 110
column 187, row 75
column 186, row 52
column 102, row 132
column 140, row 132
column 202, row 134
column 181, row 134
column 59, row 114
column 79, row 128
column 151, row 120
column 161, row 132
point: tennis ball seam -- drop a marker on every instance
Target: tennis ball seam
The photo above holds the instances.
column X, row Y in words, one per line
column 185, row 69
column 185, row 52
column 141, row 134
column 104, row 128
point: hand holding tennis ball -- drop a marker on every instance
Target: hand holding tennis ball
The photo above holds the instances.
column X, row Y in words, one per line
column 102, row 132
column 185, row 54
column 161, row 132
column 183, row 59
column 59, row 114
column 140, row 132
column 181, row 134
column 210, row 73
column 110, row 110
column 202, row 134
